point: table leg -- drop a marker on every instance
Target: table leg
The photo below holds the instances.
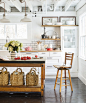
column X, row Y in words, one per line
column 44, row 75
column 42, row 79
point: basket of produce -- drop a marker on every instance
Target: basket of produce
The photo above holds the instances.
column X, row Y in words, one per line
column 32, row 78
column 4, row 77
column 17, row 77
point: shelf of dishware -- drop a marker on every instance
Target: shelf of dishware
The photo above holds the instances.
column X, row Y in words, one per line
column 56, row 25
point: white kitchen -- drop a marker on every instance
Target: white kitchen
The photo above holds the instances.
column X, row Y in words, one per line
column 42, row 51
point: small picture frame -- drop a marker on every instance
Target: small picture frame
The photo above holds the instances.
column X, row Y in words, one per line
column 49, row 20
column 39, row 8
column 50, row 7
column 68, row 20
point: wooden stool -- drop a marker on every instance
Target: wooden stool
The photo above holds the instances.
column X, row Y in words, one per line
column 64, row 68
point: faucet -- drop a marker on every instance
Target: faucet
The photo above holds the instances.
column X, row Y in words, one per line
column 7, row 39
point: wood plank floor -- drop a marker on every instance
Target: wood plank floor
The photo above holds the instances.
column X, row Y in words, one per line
column 50, row 96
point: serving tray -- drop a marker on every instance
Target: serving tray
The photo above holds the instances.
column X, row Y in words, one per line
column 37, row 58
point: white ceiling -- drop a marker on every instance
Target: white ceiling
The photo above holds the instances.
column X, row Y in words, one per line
column 31, row 3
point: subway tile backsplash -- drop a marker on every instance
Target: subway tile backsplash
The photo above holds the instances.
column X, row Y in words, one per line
column 33, row 44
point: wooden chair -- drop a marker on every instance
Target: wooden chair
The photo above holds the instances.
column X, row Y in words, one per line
column 65, row 67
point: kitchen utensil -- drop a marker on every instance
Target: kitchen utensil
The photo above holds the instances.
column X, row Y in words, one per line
column 46, row 45
column 43, row 36
column 38, row 45
column 49, row 37
column 49, row 49
column 53, row 37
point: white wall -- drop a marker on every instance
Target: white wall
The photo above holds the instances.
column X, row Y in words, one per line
column 35, row 30
column 81, row 62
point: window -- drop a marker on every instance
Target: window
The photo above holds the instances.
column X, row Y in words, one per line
column 2, row 32
column 13, row 31
column 83, row 36
column 21, row 31
column 10, row 31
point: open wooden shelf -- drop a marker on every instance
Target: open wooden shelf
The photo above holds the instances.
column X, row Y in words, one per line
column 50, row 39
column 56, row 25
column 23, row 88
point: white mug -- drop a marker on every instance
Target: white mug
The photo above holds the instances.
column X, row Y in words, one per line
column 49, row 37
column 53, row 36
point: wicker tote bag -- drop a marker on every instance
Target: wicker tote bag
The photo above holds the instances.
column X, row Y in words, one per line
column 17, row 78
column 4, row 76
column 32, row 78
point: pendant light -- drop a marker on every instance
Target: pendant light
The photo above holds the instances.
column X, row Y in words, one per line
column 4, row 19
column 25, row 19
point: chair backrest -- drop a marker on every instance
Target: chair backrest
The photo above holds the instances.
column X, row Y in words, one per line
column 69, row 56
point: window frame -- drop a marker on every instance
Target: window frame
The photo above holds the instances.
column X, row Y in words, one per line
column 15, row 31
column 82, row 37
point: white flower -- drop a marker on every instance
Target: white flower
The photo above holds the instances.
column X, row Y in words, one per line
column 10, row 48
column 6, row 45
column 18, row 48
column 17, row 43
column 21, row 45
column 13, row 43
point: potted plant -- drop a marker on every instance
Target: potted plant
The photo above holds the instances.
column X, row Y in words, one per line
column 14, row 47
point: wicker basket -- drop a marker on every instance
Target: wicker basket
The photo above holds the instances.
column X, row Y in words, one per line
column 17, row 78
column 32, row 78
column 4, row 77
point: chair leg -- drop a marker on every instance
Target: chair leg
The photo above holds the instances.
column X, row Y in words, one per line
column 61, row 81
column 65, row 79
column 56, row 79
column 70, row 80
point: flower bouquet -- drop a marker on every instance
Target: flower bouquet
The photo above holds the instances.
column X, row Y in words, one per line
column 14, row 46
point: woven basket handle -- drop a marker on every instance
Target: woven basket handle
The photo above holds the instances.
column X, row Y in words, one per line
column 19, row 69
column 0, row 70
column 4, row 68
column 32, row 71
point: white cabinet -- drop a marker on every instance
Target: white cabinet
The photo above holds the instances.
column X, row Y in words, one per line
column 69, row 37
column 69, row 44
column 52, row 58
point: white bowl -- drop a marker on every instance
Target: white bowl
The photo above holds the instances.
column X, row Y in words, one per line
column 59, row 23
column 48, row 23
column 70, row 23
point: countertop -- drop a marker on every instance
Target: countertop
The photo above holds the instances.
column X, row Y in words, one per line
column 42, row 51
column 24, row 61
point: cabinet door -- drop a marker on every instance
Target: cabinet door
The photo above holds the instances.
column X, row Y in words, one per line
column 69, row 37
column 44, row 54
column 55, row 54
